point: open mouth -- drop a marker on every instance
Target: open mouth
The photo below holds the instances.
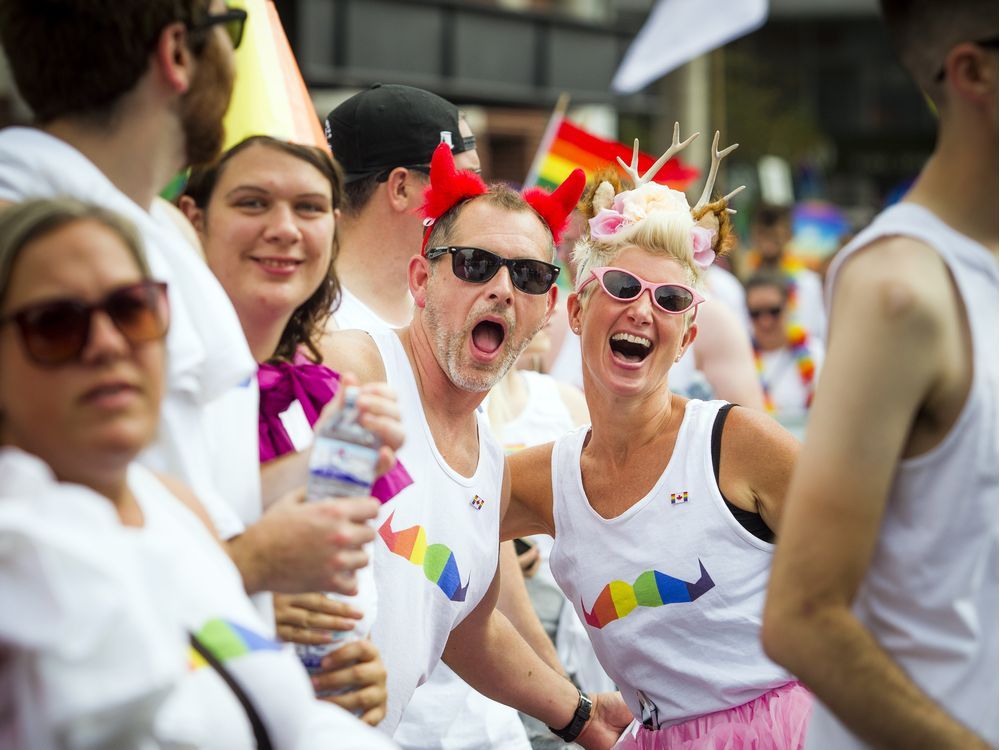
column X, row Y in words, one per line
column 629, row 347
column 487, row 336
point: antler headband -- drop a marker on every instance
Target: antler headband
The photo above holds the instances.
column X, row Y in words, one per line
column 450, row 186
column 614, row 212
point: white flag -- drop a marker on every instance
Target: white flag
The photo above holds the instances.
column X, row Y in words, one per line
column 677, row 31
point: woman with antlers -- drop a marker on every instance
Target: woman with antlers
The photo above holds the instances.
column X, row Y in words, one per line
column 663, row 510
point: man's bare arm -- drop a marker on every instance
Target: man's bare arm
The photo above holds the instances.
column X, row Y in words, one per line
column 724, row 355
column 486, row 651
column 883, row 361
column 515, row 604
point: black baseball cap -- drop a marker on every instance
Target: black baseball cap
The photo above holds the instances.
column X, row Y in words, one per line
column 388, row 126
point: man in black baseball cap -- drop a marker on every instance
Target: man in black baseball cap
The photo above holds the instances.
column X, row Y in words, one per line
column 384, row 137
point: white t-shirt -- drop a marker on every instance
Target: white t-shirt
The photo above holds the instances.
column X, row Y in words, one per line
column 673, row 601
column 930, row 594
column 809, row 310
column 782, row 381
column 208, row 418
column 98, row 617
column 353, row 314
column 436, row 551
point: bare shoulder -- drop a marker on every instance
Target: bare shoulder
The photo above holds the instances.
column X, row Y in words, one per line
column 184, row 493
column 572, row 397
column 180, row 221
column 898, row 280
column 757, row 457
column 755, row 435
column 352, row 352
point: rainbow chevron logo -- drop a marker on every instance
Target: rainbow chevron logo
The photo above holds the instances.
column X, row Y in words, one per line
column 437, row 560
column 651, row 589
column 226, row 640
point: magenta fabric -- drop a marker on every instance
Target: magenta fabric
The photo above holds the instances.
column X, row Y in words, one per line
column 776, row 720
column 313, row 386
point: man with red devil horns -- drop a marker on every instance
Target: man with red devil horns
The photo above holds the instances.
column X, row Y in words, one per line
column 482, row 287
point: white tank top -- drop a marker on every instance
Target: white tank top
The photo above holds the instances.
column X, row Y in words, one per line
column 437, row 545
column 445, row 712
column 352, row 313
column 672, row 590
column 930, row 595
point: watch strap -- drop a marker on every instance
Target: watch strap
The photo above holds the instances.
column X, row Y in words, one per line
column 572, row 730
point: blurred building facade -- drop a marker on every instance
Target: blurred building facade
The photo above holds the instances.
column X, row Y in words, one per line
column 817, row 85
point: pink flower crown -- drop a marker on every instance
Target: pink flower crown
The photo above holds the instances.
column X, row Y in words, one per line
column 616, row 212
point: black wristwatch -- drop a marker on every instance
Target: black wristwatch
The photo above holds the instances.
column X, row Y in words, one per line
column 572, row 730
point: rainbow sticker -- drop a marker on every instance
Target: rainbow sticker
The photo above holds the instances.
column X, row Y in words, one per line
column 226, row 640
column 437, row 560
column 651, row 589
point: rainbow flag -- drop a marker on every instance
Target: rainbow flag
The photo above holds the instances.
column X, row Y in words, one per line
column 270, row 97
column 567, row 146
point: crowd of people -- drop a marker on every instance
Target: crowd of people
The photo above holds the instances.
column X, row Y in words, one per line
column 641, row 546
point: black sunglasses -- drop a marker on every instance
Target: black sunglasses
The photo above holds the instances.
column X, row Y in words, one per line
column 774, row 312
column 233, row 20
column 478, row 266
column 989, row 43
column 56, row 332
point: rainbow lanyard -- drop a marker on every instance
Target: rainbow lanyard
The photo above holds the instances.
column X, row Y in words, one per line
column 790, row 268
column 798, row 343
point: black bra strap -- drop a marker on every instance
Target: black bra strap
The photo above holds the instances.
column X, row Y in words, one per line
column 749, row 520
column 259, row 730
column 720, row 421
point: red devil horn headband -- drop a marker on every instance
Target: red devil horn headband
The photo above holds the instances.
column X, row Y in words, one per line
column 450, row 186
column 556, row 207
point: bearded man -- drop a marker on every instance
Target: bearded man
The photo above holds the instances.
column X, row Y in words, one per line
column 125, row 95
column 482, row 288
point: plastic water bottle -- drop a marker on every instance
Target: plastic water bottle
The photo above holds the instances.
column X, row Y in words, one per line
column 342, row 464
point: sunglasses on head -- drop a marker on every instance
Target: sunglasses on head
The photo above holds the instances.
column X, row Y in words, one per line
column 233, row 21
column 626, row 287
column 478, row 266
column 758, row 312
column 56, row 332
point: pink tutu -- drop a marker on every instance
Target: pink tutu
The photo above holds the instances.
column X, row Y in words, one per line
column 776, row 720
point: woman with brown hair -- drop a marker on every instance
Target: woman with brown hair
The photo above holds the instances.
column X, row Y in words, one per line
column 266, row 215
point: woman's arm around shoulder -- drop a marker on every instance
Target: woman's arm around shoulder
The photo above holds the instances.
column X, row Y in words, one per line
column 528, row 493
column 755, row 464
